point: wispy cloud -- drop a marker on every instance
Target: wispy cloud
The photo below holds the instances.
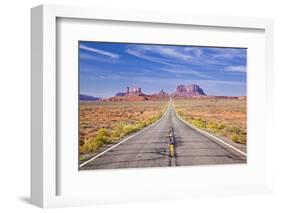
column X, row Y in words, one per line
column 219, row 71
column 173, row 52
column 110, row 77
column 235, row 68
column 90, row 57
column 99, row 51
column 171, row 55
column 176, row 81
column 165, row 52
column 223, row 82
column 176, row 60
column 181, row 70
column 227, row 53
column 142, row 55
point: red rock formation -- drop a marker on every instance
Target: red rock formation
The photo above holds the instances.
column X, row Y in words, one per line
column 162, row 93
column 188, row 91
column 136, row 94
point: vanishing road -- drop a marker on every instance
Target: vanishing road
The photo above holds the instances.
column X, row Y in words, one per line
column 149, row 148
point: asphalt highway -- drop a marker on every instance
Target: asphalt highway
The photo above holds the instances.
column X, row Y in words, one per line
column 150, row 148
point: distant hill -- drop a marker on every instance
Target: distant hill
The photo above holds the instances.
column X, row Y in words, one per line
column 88, row 98
column 136, row 94
column 188, row 91
column 181, row 92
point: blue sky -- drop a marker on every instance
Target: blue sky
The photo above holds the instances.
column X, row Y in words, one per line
column 107, row 68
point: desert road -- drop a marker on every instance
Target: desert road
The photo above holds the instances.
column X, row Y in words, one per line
column 150, row 148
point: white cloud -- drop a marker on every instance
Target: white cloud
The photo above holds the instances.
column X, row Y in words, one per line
column 99, row 58
column 109, row 77
column 228, row 53
column 185, row 55
column 172, row 82
column 184, row 71
column 142, row 55
column 167, row 53
column 173, row 52
column 235, row 68
column 100, row 52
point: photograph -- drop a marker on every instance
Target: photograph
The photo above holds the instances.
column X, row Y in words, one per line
column 161, row 105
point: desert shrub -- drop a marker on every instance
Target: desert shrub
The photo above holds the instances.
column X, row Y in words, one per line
column 93, row 144
column 199, row 122
column 143, row 124
column 216, row 127
column 214, row 116
column 128, row 129
column 115, row 134
column 180, row 113
column 90, row 146
column 243, row 138
column 234, row 129
column 81, row 158
column 239, row 138
column 235, row 138
column 104, row 137
column 234, row 133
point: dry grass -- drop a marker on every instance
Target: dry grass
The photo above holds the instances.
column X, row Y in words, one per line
column 102, row 123
column 226, row 117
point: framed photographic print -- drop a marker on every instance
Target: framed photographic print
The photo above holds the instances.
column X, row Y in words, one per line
column 149, row 106
column 166, row 109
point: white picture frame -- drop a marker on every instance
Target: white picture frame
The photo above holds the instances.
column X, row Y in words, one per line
column 44, row 153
